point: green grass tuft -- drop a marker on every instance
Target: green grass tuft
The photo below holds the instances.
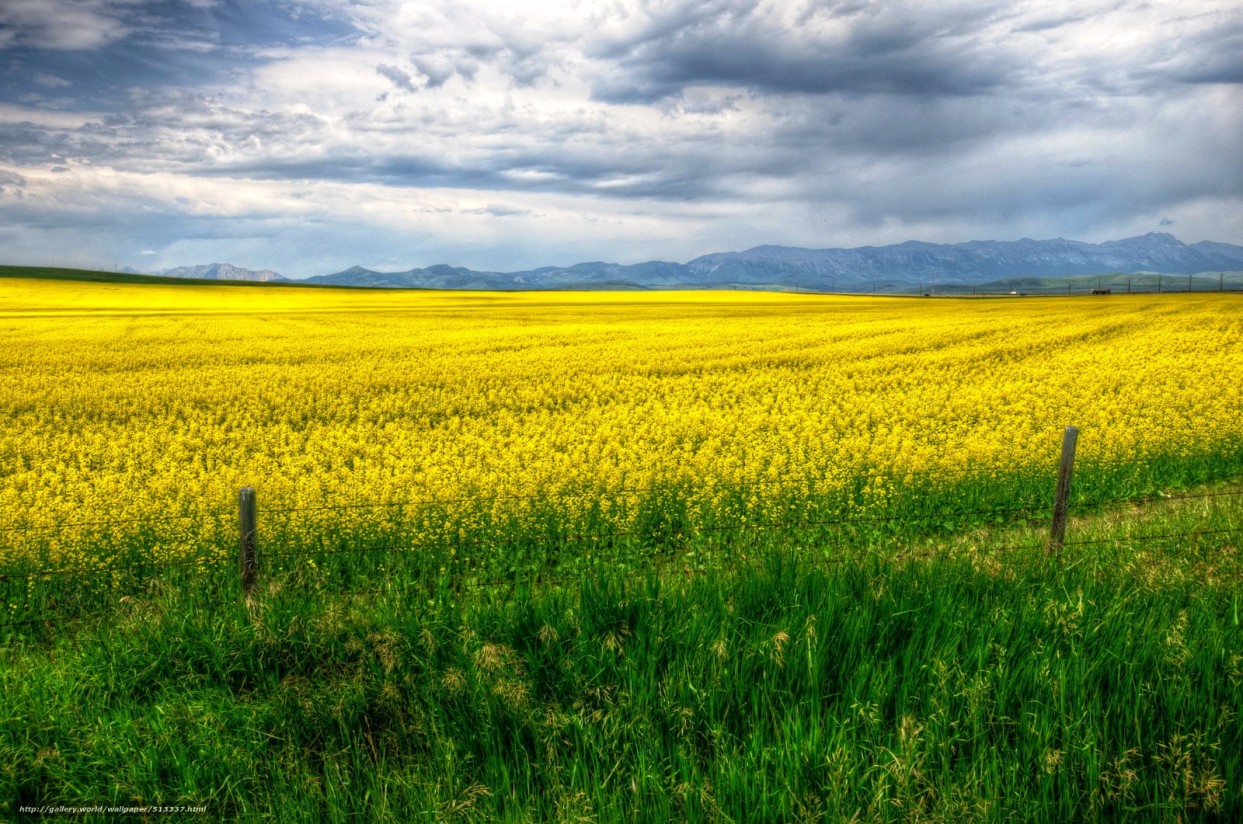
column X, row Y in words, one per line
column 963, row 677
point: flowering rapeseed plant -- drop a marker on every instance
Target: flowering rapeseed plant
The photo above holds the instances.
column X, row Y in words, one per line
column 131, row 402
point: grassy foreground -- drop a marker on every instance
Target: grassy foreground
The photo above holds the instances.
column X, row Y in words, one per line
column 960, row 679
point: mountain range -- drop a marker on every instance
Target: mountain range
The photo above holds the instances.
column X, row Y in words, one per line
column 214, row 271
column 867, row 268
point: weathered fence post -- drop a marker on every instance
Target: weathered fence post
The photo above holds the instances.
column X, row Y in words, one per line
column 246, row 537
column 1061, row 500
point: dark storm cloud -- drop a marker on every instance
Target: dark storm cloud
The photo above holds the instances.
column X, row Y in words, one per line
column 173, row 129
column 1087, row 193
column 547, row 171
column 12, row 185
column 1213, row 56
column 192, row 133
column 712, row 122
column 25, row 144
column 151, row 44
column 89, row 25
column 907, row 51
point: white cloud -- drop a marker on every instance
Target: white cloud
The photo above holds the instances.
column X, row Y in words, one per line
column 509, row 135
column 51, row 81
column 62, row 24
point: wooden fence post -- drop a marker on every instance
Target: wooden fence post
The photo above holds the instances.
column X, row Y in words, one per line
column 246, row 537
column 1061, row 500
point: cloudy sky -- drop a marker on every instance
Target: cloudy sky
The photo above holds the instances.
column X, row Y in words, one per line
column 310, row 135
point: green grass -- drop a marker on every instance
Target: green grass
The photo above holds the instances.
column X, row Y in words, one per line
column 475, row 540
column 95, row 276
column 956, row 675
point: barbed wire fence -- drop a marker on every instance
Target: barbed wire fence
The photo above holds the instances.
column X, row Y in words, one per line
column 30, row 597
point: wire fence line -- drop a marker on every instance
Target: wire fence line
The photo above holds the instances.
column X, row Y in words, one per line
column 657, row 546
column 758, row 525
column 564, row 539
column 581, row 537
column 570, row 538
column 43, row 573
column 661, row 566
column 864, row 475
column 154, row 519
column 421, row 503
column 1167, row 536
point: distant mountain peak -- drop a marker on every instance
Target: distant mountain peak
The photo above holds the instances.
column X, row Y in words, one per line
column 222, row 271
column 902, row 266
column 1162, row 238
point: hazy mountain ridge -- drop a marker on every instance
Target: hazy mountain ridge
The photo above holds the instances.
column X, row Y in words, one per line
column 899, row 266
column 221, row 271
column 967, row 263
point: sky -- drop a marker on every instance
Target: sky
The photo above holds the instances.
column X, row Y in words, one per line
column 307, row 136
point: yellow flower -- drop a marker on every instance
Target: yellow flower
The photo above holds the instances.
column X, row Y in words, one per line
column 157, row 402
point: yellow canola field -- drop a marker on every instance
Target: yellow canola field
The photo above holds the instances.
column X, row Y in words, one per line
column 128, row 402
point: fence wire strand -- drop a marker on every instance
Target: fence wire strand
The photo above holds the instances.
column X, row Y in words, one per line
column 659, row 486
column 575, row 538
column 45, row 573
column 911, row 550
column 119, row 521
